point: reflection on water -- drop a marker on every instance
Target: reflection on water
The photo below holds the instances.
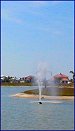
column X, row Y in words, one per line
column 21, row 114
column 49, row 101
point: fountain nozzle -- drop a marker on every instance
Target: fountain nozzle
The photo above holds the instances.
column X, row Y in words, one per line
column 40, row 102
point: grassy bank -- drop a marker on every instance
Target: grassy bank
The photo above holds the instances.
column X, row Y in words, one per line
column 16, row 84
column 71, row 85
column 53, row 91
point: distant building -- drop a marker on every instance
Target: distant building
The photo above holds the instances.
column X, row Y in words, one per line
column 3, row 78
column 61, row 79
column 29, row 79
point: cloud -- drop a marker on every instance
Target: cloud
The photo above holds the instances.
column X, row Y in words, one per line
column 44, row 3
column 57, row 32
column 9, row 16
column 12, row 14
column 56, row 2
column 39, row 3
column 46, row 29
column 53, row 31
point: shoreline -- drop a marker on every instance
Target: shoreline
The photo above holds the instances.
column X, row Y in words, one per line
column 24, row 95
column 15, row 84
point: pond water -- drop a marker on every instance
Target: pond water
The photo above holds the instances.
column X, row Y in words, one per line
column 23, row 114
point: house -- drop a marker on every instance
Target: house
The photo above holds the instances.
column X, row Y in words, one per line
column 61, row 79
column 29, row 78
column 3, row 78
column 22, row 80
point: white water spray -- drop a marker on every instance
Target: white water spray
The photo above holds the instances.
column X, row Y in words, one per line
column 41, row 76
column 41, row 80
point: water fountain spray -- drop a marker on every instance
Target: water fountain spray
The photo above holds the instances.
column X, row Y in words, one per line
column 41, row 76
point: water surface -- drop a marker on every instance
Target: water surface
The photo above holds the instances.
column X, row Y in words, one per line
column 23, row 114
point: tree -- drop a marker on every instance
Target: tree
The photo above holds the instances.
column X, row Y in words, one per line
column 73, row 74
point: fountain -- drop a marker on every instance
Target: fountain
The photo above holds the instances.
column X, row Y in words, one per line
column 40, row 89
column 40, row 77
column 47, row 88
column 41, row 80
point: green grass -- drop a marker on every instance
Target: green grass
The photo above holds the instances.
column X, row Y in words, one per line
column 15, row 84
column 48, row 91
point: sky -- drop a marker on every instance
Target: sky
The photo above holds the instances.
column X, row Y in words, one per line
column 36, row 32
